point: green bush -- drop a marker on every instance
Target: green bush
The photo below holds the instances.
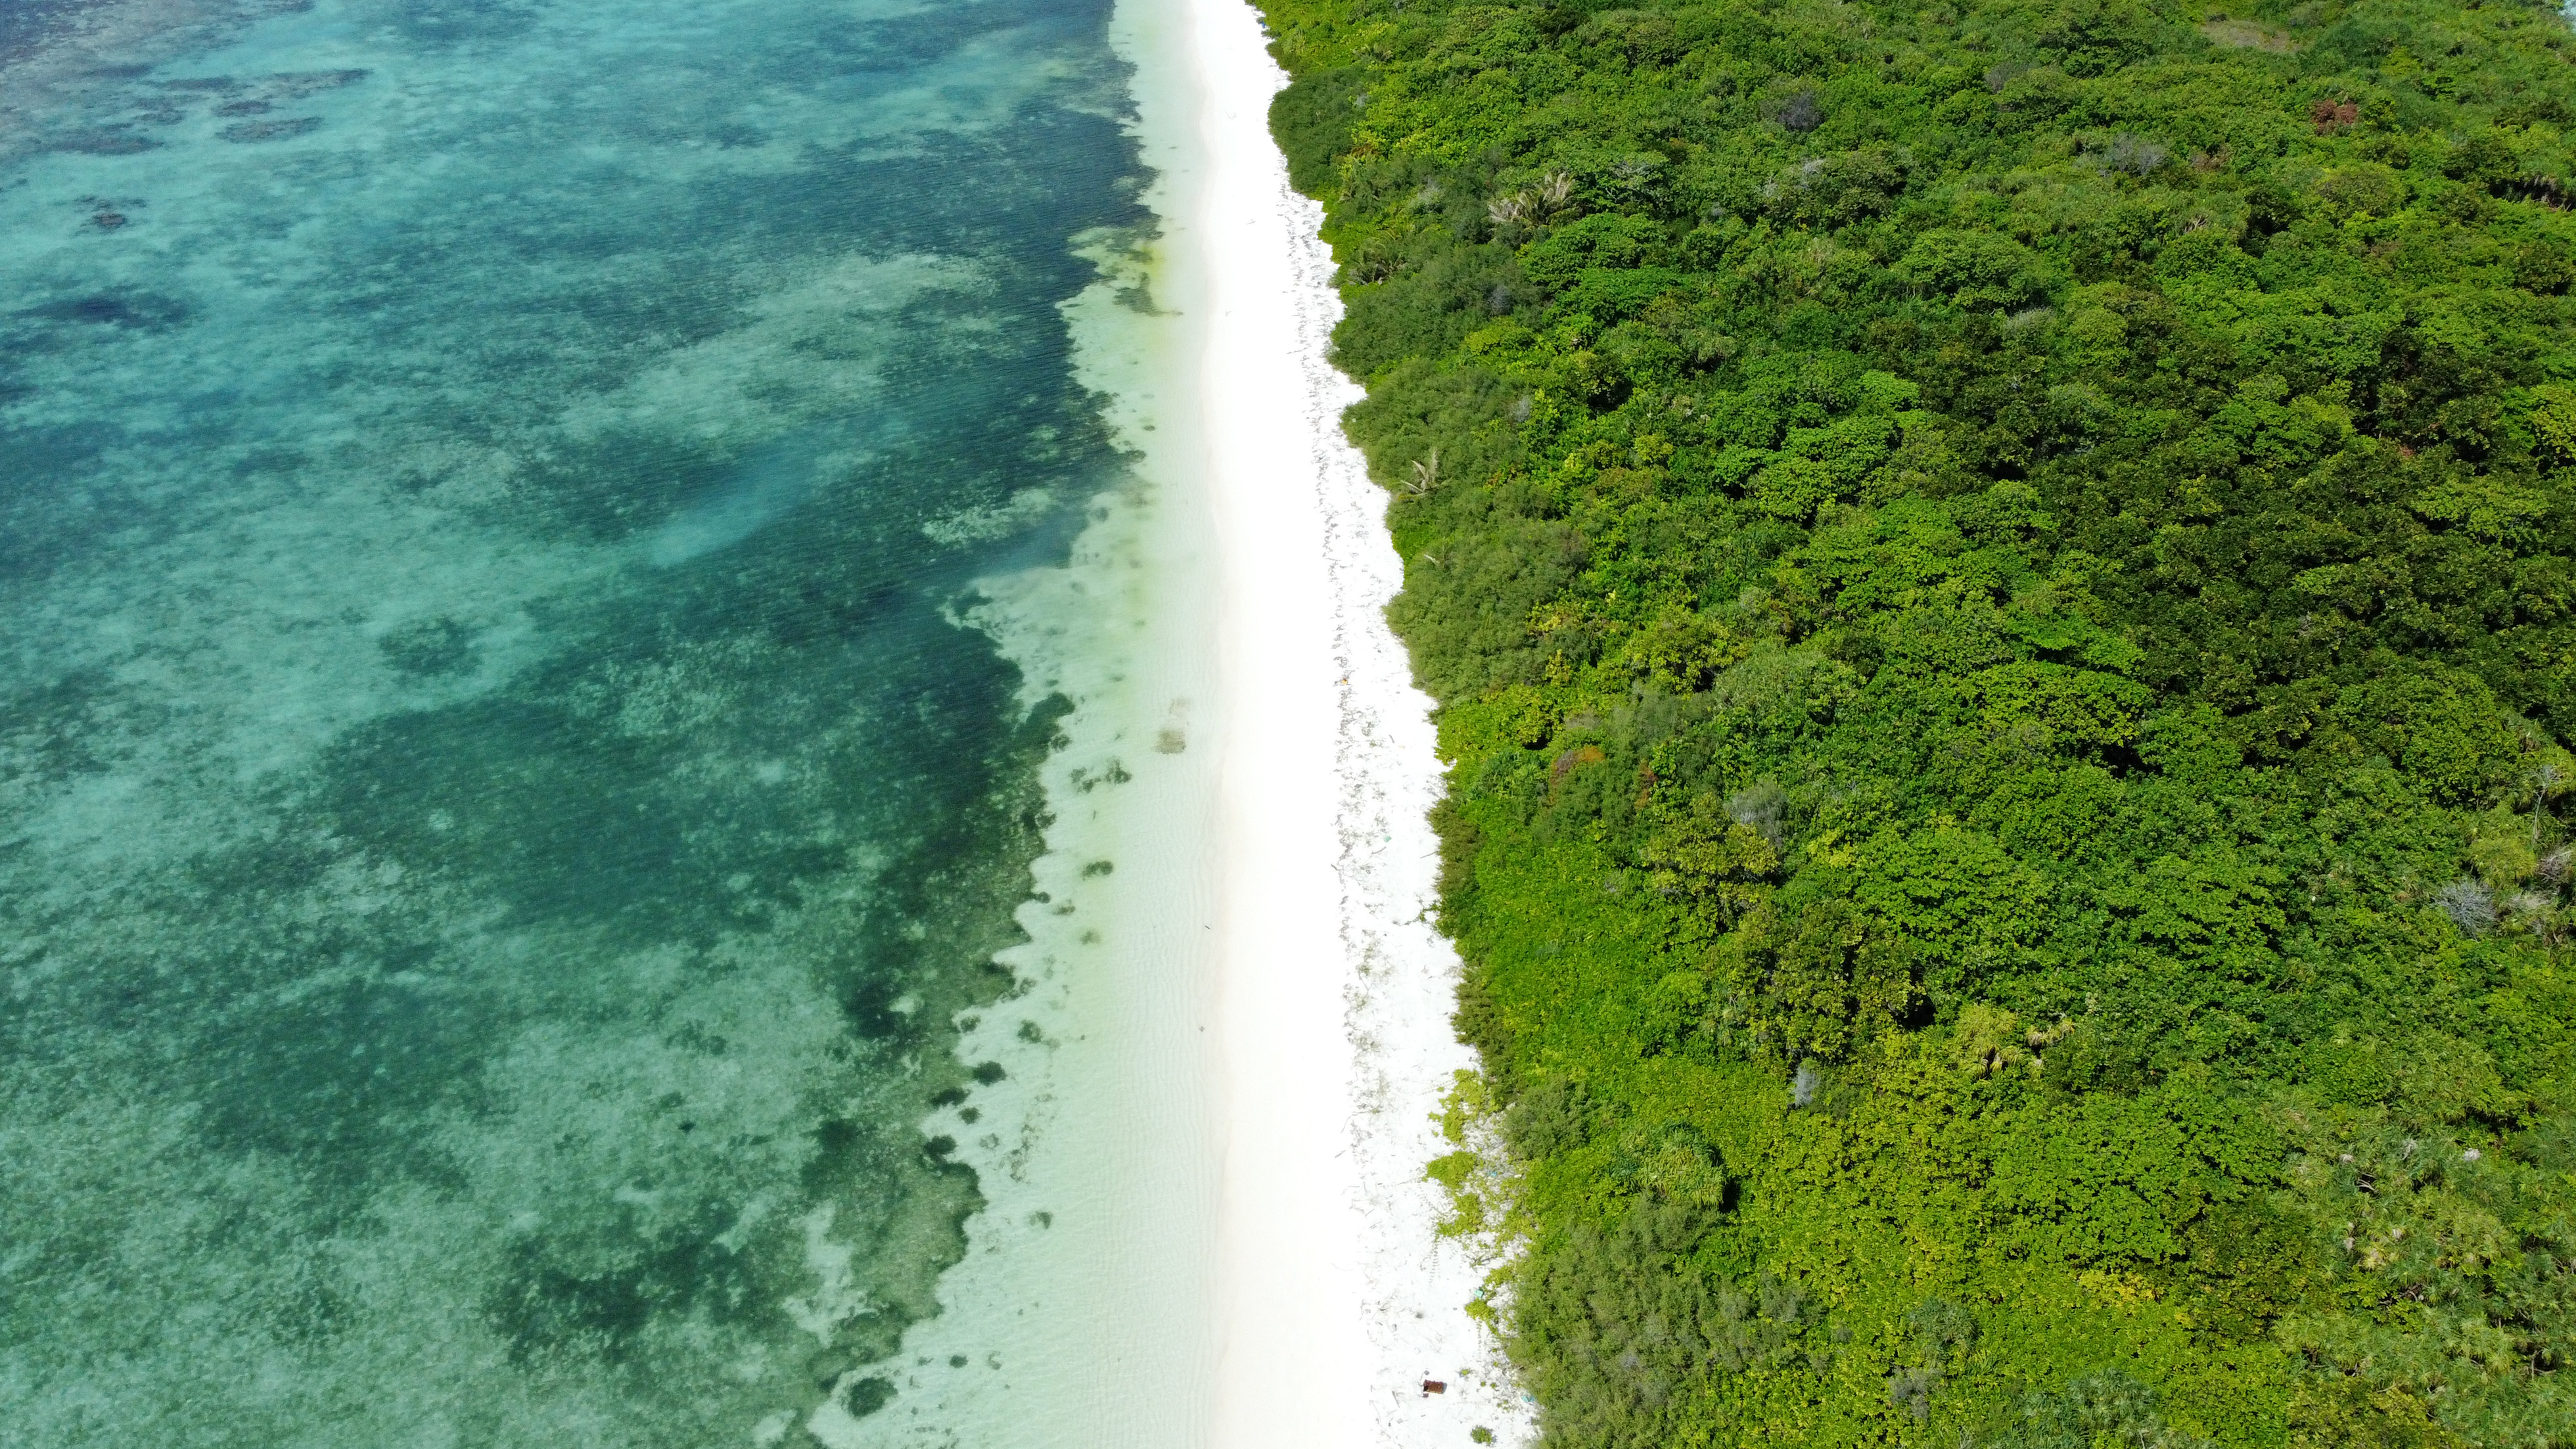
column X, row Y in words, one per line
column 2000, row 582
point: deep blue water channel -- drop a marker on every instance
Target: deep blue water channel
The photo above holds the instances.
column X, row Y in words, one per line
column 495, row 818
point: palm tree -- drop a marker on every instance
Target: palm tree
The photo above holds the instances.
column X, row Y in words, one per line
column 1426, row 476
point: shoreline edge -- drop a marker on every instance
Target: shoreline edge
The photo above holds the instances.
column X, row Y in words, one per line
column 1338, row 1297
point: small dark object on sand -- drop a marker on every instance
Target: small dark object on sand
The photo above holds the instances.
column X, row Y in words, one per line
column 108, row 220
column 1433, row 1386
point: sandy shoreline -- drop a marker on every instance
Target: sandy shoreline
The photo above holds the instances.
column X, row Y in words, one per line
column 1207, row 1221
column 1082, row 1314
column 1337, row 1298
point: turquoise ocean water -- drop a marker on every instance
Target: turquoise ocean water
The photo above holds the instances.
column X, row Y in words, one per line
column 497, row 816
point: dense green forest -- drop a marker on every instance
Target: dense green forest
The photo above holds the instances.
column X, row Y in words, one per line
column 2000, row 580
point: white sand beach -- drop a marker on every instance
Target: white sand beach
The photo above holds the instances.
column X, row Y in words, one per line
column 1338, row 1298
column 1207, row 1221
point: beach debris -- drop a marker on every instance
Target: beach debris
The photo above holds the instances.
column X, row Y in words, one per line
column 1433, row 1386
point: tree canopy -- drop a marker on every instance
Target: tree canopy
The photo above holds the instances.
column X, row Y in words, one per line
column 2000, row 581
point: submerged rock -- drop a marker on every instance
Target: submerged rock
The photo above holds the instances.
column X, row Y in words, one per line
column 270, row 130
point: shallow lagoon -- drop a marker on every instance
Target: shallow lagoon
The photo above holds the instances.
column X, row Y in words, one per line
column 497, row 815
